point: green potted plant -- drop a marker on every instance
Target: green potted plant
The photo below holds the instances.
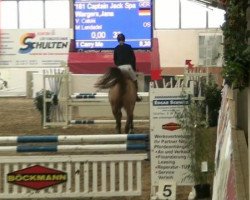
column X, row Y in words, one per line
column 38, row 101
column 193, row 122
column 212, row 94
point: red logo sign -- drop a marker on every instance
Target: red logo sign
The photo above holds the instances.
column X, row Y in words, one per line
column 37, row 177
column 171, row 126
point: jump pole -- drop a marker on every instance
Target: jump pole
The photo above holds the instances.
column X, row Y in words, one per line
column 75, row 148
column 127, row 145
column 108, row 121
column 73, row 138
column 100, row 95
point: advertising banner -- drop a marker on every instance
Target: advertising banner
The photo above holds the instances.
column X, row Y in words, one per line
column 170, row 158
column 34, row 47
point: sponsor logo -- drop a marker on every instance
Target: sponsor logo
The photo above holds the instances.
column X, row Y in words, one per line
column 26, row 40
column 171, row 126
column 37, row 177
column 172, row 101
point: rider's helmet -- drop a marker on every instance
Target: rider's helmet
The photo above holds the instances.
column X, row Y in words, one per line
column 120, row 37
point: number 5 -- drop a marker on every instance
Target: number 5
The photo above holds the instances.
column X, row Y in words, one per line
column 167, row 191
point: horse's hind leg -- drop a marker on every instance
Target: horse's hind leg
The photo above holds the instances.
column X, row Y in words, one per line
column 129, row 127
column 132, row 125
column 118, row 117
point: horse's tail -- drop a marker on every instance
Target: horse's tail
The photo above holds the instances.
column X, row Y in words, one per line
column 112, row 77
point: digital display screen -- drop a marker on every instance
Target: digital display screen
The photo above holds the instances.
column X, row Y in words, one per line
column 98, row 22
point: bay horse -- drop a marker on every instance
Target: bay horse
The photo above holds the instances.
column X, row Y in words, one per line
column 122, row 94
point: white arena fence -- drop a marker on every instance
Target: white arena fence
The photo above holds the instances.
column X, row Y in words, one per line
column 27, row 172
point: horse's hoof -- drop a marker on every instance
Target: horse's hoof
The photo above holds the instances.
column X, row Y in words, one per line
column 131, row 132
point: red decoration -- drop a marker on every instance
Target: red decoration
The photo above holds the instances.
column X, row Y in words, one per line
column 189, row 64
column 156, row 74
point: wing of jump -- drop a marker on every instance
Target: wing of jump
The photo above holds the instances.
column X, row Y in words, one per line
column 54, row 79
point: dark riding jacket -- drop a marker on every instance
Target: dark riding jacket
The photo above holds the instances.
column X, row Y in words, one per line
column 124, row 55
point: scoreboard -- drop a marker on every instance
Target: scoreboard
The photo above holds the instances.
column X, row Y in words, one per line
column 98, row 22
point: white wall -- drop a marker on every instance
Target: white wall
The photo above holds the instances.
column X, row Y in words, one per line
column 16, row 81
column 176, row 46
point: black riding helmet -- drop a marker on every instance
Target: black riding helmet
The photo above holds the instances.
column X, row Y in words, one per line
column 120, row 37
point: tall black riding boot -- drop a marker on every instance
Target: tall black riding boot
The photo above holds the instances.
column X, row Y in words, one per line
column 138, row 99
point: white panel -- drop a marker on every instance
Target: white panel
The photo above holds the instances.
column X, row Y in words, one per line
column 51, row 189
column 95, row 174
column 121, row 176
column 15, row 187
column 104, row 176
column 60, row 186
column 138, row 176
column 112, row 176
column 86, row 177
column 77, row 177
column 6, row 184
column 69, row 177
column 130, row 176
column 24, row 189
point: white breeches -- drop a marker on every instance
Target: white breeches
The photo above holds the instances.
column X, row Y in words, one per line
column 128, row 69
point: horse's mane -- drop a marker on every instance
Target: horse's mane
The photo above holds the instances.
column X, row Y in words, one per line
column 112, row 77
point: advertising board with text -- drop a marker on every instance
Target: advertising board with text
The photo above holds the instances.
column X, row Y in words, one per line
column 170, row 159
column 34, row 47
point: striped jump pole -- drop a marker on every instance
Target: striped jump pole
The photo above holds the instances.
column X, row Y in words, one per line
column 89, row 96
column 101, row 95
column 73, row 138
column 74, row 148
column 108, row 121
column 127, row 146
column 91, row 93
column 146, row 94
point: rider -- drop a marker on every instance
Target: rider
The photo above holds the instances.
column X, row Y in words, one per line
column 124, row 58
